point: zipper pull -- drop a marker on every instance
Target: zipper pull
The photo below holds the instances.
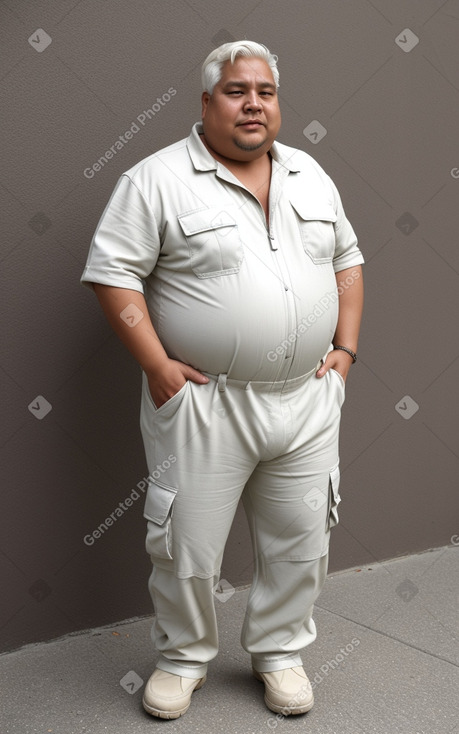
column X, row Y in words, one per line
column 271, row 240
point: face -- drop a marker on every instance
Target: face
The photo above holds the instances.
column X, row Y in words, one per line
column 241, row 117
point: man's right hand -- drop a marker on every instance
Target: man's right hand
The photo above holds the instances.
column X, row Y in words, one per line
column 166, row 382
column 165, row 376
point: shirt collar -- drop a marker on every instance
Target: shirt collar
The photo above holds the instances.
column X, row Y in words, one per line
column 203, row 161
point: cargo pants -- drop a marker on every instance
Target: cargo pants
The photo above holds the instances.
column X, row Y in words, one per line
column 276, row 446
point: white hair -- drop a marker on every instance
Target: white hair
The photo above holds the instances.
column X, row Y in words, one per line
column 212, row 67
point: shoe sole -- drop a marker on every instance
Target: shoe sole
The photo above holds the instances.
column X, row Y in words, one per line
column 161, row 714
column 284, row 710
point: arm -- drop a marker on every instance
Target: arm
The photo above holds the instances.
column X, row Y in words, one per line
column 165, row 376
column 350, row 290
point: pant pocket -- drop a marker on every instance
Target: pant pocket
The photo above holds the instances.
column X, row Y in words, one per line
column 340, row 377
column 158, row 512
column 334, row 498
column 171, row 405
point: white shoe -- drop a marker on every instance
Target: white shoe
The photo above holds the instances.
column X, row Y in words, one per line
column 287, row 691
column 168, row 696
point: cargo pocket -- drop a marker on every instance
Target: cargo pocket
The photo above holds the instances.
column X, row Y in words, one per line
column 158, row 511
column 213, row 240
column 334, row 498
column 317, row 231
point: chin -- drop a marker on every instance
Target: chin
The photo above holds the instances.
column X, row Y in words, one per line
column 250, row 146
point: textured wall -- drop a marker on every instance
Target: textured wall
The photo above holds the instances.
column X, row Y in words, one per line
column 370, row 89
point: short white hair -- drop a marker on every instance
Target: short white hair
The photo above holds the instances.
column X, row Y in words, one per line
column 212, row 67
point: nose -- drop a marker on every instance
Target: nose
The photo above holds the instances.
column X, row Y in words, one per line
column 252, row 101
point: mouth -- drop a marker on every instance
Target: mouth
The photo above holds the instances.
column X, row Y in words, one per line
column 251, row 124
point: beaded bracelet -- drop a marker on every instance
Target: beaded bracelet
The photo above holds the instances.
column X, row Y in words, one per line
column 349, row 351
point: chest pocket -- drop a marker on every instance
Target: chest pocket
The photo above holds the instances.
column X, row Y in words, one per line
column 213, row 240
column 316, row 225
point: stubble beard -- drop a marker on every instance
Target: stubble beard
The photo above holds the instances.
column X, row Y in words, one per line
column 248, row 147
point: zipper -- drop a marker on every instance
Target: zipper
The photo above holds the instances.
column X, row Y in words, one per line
column 284, row 275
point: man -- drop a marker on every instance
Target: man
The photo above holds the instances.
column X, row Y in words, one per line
column 220, row 262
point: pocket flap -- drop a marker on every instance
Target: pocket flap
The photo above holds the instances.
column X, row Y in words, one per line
column 312, row 211
column 204, row 220
column 158, row 502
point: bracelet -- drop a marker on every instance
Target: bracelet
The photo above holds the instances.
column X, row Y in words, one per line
column 349, row 351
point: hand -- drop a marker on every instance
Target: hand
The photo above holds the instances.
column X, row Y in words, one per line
column 339, row 361
column 166, row 383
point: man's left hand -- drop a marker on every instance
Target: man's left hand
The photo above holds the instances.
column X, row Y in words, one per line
column 337, row 360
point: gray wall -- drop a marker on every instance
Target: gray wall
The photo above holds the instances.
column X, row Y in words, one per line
column 391, row 114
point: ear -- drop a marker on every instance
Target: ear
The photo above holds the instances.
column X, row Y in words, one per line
column 205, row 101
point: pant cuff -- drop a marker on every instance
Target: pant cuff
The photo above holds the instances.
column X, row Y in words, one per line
column 269, row 663
column 186, row 670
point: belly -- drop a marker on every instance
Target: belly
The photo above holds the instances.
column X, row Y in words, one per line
column 249, row 327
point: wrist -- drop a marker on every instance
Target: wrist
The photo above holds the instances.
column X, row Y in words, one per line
column 348, row 351
column 156, row 365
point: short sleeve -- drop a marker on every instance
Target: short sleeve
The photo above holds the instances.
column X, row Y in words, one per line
column 347, row 252
column 126, row 243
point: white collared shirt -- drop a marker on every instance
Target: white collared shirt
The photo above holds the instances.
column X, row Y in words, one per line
column 227, row 294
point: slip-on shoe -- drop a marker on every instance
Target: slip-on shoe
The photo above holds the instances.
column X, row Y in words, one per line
column 287, row 691
column 167, row 695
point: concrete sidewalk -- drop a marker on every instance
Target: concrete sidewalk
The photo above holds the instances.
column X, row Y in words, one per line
column 385, row 662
